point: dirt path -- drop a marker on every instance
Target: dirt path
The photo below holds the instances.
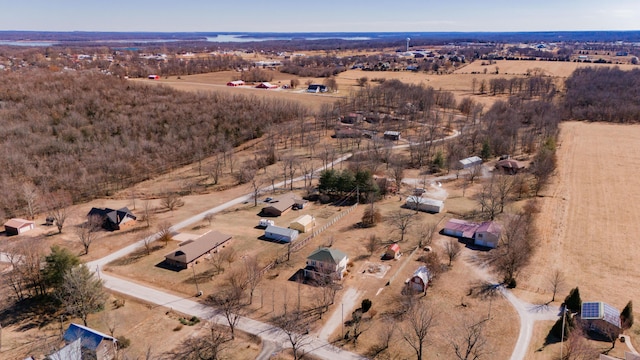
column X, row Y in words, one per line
column 348, row 303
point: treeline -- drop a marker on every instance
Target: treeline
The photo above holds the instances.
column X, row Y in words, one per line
column 90, row 134
column 313, row 66
column 529, row 87
column 603, row 94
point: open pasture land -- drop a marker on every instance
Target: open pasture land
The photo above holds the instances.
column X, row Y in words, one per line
column 522, row 67
column 589, row 216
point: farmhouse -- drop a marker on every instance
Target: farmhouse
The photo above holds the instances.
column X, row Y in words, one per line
column 509, row 166
column 419, row 281
column 280, row 205
column 235, row 83
column 304, row 223
column 487, row 234
column 469, row 162
column 190, row 251
column 280, row 234
column 391, row 135
column 326, row 263
column 113, row 219
column 425, row 204
column 99, row 345
column 392, row 252
column 601, row 317
column 352, row 118
column 17, row 226
column 266, row 85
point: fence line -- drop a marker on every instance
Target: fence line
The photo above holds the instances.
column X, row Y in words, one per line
column 293, row 247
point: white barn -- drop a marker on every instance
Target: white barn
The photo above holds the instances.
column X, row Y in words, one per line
column 425, row 204
column 469, row 162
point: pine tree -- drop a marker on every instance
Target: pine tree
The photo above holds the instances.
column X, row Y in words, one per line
column 626, row 316
column 573, row 301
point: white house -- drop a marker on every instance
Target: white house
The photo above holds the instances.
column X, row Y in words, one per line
column 425, row 204
column 304, row 223
column 280, row 234
column 326, row 263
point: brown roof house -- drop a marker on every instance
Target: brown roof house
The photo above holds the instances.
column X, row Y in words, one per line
column 509, row 166
column 326, row 263
column 113, row 219
column 18, row 226
column 280, row 205
column 95, row 344
column 190, row 251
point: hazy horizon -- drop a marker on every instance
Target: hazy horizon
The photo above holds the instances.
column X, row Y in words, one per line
column 332, row 16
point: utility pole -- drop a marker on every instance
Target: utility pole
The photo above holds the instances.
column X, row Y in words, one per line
column 564, row 311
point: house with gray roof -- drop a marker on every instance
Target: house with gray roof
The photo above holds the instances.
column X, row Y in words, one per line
column 111, row 219
column 325, row 263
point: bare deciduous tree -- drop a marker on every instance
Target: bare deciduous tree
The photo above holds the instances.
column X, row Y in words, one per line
column 208, row 346
column 556, row 282
column 253, row 275
column 58, row 206
column 296, row 330
column 30, row 196
column 468, row 339
column 229, row 301
column 372, row 243
column 401, row 220
column 87, row 234
column 425, row 233
column 171, row 201
column 164, row 232
column 209, row 218
column 420, row 320
column 81, row 293
column 452, row 248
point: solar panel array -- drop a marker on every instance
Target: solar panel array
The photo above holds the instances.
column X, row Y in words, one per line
column 591, row 310
column 611, row 315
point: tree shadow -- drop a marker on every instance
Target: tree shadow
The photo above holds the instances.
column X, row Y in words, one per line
column 484, row 290
column 30, row 313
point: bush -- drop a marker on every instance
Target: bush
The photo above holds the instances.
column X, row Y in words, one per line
column 366, row 305
column 511, row 283
column 123, row 342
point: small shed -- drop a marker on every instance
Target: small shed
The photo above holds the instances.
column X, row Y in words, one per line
column 425, row 204
column 280, row 234
column 469, row 162
column 488, row 234
column 17, row 226
column 391, row 135
column 392, row 252
column 419, row 281
column 304, row 223
column 460, row 228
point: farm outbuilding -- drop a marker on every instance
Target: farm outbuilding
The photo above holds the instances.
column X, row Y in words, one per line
column 460, row 228
column 469, row 162
column 419, row 281
column 190, row 251
column 392, row 252
column 235, row 83
column 304, row 223
column 18, row 226
column 425, row 204
column 280, row 234
column 391, row 135
column 487, row 234
column 266, row 85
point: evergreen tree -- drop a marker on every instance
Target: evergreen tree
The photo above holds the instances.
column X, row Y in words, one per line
column 626, row 316
column 485, row 153
column 58, row 263
column 569, row 325
column 573, row 301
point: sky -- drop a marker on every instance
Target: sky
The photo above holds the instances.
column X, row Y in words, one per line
column 319, row 16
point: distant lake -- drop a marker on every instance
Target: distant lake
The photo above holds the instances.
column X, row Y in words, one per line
column 248, row 38
column 27, row 43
